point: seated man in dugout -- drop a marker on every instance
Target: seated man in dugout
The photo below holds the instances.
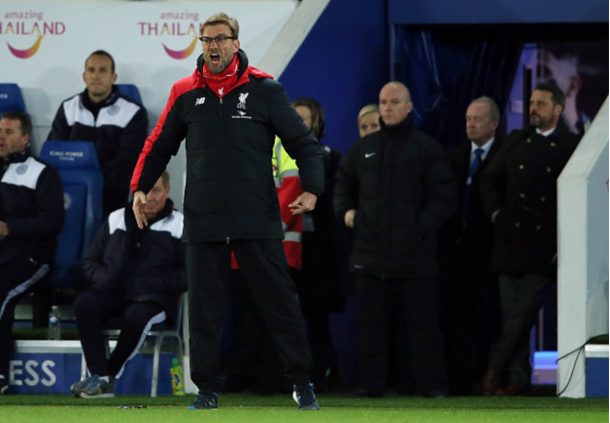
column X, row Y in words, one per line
column 135, row 274
column 115, row 123
column 31, row 217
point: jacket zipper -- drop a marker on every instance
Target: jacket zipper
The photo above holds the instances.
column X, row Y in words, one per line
column 220, row 110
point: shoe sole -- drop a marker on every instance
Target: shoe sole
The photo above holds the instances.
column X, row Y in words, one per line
column 75, row 391
column 87, row 396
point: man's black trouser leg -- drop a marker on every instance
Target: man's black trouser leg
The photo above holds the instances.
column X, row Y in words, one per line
column 420, row 322
column 521, row 298
column 18, row 278
column 374, row 306
column 208, row 267
column 265, row 271
column 91, row 308
column 419, row 298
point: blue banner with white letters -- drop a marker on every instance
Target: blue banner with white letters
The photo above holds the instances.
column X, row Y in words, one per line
column 48, row 373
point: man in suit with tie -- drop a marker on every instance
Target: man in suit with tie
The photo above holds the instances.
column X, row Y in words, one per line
column 470, row 313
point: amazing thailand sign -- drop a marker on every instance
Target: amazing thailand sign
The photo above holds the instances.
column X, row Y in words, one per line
column 44, row 44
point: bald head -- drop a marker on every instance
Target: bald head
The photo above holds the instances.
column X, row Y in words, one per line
column 394, row 103
column 399, row 88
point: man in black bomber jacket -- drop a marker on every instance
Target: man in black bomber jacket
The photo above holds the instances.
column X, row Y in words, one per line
column 230, row 113
column 396, row 189
column 136, row 275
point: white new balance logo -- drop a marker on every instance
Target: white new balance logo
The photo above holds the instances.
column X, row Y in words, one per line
column 199, row 101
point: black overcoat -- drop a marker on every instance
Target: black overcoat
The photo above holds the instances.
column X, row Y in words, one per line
column 521, row 182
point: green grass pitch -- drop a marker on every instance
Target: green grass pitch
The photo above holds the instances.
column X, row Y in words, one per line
column 237, row 408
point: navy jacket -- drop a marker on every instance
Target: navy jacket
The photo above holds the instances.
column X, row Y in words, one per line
column 117, row 126
column 146, row 265
column 32, row 206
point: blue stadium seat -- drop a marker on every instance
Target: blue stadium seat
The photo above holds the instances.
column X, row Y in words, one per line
column 80, row 172
column 130, row 91
column 11, row 99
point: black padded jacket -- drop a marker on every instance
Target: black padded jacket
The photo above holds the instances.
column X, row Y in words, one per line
column 32, row 206
column 145, row 265
column 403, row 190
column 230, row 191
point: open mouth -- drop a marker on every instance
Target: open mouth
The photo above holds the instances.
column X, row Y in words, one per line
column 215, row 58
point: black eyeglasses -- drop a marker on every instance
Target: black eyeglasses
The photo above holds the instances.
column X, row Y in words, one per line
column 220, row 40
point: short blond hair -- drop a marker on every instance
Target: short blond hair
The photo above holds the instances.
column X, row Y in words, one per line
column 369, row 108
column 222, row 19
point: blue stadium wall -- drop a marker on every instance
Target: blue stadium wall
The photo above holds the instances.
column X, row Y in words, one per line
column 342, row 64
column 344, row 61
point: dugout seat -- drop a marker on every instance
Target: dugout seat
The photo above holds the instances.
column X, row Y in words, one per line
column 80, row 172
column 11, row 99
column 131, row 91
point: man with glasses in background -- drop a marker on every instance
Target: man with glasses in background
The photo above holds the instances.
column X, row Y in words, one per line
column 230, row 113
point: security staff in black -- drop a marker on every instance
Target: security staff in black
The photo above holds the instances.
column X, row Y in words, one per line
column 230, row 113
column 396, row 189
column 519, row 193
column 31, row 217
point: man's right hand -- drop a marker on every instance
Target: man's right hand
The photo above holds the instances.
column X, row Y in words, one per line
column 349, row 218
column 139, row 200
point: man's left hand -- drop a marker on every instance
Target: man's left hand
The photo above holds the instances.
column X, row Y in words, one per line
column 3, row 229
column 304, row 203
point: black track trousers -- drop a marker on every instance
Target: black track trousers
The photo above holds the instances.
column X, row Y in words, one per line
column 17, row 280
column 265, row 271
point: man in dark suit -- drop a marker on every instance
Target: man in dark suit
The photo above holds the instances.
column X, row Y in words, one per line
column 519, row 191
column 470, row 313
